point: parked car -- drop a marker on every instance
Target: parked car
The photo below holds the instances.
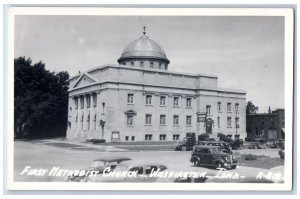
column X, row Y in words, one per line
column 258, row 145
column 213, row 156
column 186, row 144
column 97, row 167
column 223, row 145
column 237, row 144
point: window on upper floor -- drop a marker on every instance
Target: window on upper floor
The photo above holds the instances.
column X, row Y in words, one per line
column 129, row 120
column 219, row 107
column 130, row 98
column 162, row 120
column 188, row 120
column 228, row 107
column 148, row 99
column 236, row 107
column 208, row 107
column 228, row 121
column 176, row 120
column 132, row 63
column 176, row 101
column 219, row 123
column 188, row 102
column 163, row 100
column 148, row 119
column 142, row 64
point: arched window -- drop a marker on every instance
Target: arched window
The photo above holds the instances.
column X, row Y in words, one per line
column 151, row 64
column 142, row 64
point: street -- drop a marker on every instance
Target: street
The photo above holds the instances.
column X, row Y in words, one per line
column 42, row 156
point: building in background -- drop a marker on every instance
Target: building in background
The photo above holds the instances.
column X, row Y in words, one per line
column 141, row 100
column 266, row 125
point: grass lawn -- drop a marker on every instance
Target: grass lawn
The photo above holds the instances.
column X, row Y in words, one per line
column 264, row 162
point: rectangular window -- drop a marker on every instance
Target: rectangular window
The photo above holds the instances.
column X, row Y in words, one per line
column 88, row 101
column 162, row 137
column 148, row 137
column 126, row 138
column 228, row 121
column 236, row 107
column 81, row 101
column 208, row 109
column 219, row 107
column 132, row 138
column 130, row 98
column 229, row 107
column 129, row 120
column 188, row 120
column 162, row 120
column 176, row 137
column 219, row 126
column 94, row 99
column 163, row 100
column 148, row 118
column 148, row 99
column 188, row 102
column 176, row 101
column 76, row 102
column 176, row 119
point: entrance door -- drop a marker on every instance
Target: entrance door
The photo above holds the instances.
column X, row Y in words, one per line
column 209, row 129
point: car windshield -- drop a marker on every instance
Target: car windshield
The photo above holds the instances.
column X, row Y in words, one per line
column 215, row 150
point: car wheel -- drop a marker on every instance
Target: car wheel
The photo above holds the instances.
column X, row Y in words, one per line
column 196, row 163
column 183, row 148
column 219, row 165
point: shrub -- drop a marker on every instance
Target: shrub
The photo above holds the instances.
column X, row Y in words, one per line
column 203, row 137
column 250, row 157
column 96, row 141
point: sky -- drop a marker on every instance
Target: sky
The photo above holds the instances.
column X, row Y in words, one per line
column 244, row 52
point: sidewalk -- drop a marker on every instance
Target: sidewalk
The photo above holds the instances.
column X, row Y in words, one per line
column 107, row 147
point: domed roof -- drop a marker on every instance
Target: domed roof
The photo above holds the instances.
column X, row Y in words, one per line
column 144, row 48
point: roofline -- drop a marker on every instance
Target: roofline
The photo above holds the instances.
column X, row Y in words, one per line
column 144, row 69
column 144, row 57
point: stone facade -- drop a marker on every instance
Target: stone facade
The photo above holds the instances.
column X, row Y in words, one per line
column 141, row 100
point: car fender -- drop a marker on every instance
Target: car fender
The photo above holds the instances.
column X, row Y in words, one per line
column 218, row 160
column 195, row 158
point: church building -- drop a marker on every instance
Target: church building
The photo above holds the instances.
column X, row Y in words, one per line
column 141, row 99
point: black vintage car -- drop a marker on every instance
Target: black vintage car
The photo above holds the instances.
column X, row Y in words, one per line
column 212, row 156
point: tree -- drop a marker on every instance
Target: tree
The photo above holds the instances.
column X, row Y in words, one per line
column 251, row 108
column 40, row 100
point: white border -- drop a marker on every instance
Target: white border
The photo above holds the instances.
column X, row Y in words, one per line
column 287, row 13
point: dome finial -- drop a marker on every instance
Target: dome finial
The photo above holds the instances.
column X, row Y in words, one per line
column 144, row 32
